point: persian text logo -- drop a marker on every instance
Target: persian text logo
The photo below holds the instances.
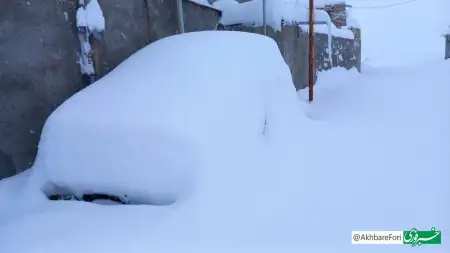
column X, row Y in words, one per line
column 413, row 237
column 417, row 238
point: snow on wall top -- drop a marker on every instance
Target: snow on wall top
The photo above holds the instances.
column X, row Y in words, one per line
column 322, row 3
column 204, row 3
column 91, row 16
column 447, row 32
column 290, row 11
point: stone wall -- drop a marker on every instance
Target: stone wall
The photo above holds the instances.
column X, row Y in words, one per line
column 38, row 69
column 294, row 43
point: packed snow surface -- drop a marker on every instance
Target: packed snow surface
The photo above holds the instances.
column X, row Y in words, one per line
column 370, row 153
column 289, row 11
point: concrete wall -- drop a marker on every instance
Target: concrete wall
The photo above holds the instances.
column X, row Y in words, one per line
column 294, row 43
column 131, row 25
column 38, row 70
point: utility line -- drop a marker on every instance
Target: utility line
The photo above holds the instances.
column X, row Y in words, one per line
column 384, row 6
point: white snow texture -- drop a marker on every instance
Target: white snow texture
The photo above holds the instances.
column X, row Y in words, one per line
column 251, row 165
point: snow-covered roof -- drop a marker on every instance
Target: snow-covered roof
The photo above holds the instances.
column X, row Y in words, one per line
column 322, row 3
column 446, row 32
column 290, row 11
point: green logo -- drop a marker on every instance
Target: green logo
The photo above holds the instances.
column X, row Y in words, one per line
column 417, row 238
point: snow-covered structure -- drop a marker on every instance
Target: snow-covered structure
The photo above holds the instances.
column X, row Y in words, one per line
column 336, row 9
column 90, row 26
column 287, row 23
column 150, row 135
column 446, row 35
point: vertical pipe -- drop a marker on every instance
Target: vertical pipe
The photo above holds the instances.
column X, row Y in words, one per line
column 330, row 42
column 447, row 46
column 311, row 49
column 180, row 16
column 264, row 17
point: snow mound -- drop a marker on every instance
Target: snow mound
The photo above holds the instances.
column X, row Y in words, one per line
column 145, row 129
column 18, row 195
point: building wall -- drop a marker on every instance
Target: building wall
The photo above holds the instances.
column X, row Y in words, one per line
column 294, row 43
column 38, row 69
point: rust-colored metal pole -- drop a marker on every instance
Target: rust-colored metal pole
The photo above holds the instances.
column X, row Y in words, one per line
column 311, row 49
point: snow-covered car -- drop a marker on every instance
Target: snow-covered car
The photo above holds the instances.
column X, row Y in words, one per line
column 145, row 131
column 172, row 127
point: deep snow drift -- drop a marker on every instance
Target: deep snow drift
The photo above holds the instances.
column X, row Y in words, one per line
column 370, row 153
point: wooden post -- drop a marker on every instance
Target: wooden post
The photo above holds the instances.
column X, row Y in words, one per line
column 311, row 50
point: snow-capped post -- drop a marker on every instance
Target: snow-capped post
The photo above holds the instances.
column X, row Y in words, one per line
column 447, row 46
column 311, row 49
column 84, row 55
column 447, row 43
column 90, row 25
column 264, row 17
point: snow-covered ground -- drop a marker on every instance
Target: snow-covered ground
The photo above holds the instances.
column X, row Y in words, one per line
column 370, row 153
column 393, row 36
